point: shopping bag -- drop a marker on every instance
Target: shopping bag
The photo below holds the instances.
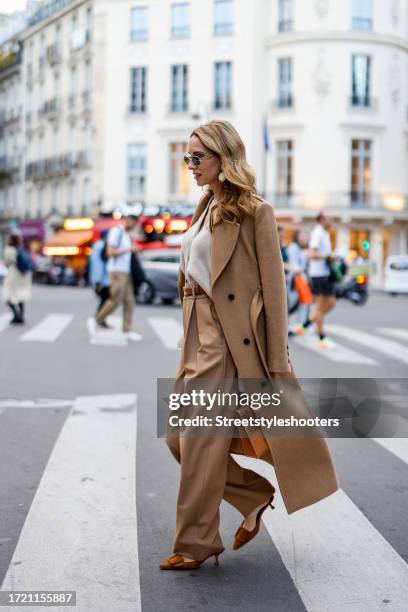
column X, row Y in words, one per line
column 303, row 289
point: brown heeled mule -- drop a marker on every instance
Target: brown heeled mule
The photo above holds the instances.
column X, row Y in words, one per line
column 176, row 562
column 243, row 536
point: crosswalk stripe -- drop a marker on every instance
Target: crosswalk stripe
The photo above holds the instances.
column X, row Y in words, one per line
column 375, row 343
column 395, row 332
column 106, row 337
column 168, row 329
column 396, row 446
column 335, row 556
column 340, row 353
column 4, row 321
column 84, row 512
column 49, row 329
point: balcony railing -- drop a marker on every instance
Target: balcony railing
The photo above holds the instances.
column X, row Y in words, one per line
column 54, row 53
column 9, row 164
column 10, row 115
column 50, row 108
column 59, row 165
column 347, row 200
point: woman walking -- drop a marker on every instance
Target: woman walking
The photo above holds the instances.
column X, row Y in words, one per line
column 17, row 284
column 233, row 292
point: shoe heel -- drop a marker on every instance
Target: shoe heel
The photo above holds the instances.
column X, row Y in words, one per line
column 216, row 562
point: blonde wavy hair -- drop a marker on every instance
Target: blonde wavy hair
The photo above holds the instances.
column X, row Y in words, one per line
column 221, row 138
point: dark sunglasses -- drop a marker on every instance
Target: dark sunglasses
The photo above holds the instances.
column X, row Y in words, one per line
column 195, row 159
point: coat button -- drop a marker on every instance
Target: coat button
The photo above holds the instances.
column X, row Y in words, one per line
column 231, row 296
column 246, row 341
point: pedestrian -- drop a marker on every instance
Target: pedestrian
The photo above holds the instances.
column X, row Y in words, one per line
column 120, row 248
column 320, row 255
column 298, row 261
column 17, row 284
column 283, row 248
column 233, row 293
column 98, row 269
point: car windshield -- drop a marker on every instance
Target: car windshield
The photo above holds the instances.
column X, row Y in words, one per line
column 399, row 266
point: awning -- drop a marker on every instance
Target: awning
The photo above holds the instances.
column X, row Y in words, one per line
column 67, row 242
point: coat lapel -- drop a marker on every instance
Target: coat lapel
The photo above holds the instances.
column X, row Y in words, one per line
column 223, row 240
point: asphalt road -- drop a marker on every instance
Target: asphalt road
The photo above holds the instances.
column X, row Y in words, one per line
column 87, row 491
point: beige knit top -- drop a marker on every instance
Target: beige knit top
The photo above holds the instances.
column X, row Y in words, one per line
column 195, row 261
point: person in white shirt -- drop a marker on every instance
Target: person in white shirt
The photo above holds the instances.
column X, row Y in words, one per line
column 119, row 250
column 320, row 253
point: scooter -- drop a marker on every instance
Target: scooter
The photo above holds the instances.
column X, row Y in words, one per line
column 354, row 289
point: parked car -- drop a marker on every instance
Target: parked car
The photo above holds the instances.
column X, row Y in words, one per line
column 161, row 268
column 396, row 274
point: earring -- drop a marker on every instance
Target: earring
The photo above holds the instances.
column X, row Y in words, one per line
column 221, row 177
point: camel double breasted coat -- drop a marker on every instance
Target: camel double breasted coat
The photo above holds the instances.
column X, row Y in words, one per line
column 249, row 295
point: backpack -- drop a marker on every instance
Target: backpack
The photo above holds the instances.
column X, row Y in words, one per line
column 24, row 262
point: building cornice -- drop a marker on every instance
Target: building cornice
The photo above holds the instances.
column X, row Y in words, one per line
column 335, row 36
column 32, row 30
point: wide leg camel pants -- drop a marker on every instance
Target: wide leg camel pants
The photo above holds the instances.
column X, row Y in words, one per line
column 208, row 472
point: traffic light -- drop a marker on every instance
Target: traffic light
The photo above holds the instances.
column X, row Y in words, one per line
column 365, row 245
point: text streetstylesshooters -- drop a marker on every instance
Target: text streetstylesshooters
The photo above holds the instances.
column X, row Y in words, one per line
column 223, row 421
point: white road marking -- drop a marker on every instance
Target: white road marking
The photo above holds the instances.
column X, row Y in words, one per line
column 396, row 446
column 168, row 330
column 375, row 343
column 335, row 556
column 4, row 321
column 107, row 337
column 395, row 332
column 81, row 530
column 340, row 353
column 41, row 403
column 49, row 329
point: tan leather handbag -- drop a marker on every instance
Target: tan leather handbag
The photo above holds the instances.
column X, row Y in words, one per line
column 251, row 441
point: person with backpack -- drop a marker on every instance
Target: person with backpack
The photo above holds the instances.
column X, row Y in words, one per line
column 98, row 269
column 122, row 261
column 17, row 284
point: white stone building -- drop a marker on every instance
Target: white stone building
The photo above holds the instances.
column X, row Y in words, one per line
column 114, row 87
column 11, row 136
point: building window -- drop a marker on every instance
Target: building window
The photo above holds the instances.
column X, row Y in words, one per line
column 285, row 80
column 223, row 16
column 179, row 88
column 361, row 65
column 71, row 197
column 178, row 169
column 55, row 197
column 40, row 198
column 180, row 20
column 138, row 90
column 284, row 181
column 285, row 17
column 139, row 23
column 222, row 85
column 86, row 195
column 136, row 169
column 362, row 15
column 360, row 171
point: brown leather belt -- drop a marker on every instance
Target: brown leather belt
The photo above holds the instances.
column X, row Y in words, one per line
column 193, row 290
